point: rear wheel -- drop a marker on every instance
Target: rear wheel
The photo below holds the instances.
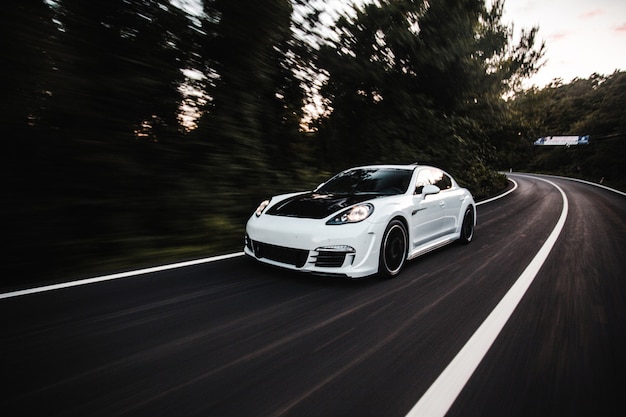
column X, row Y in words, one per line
column 467, row 227
column 393, row 249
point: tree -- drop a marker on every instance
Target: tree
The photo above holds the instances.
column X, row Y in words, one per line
column 120, row 65
column 423, row 80
column 90, row 89
column 27, row 33
column 256, row 102
column 592, row 106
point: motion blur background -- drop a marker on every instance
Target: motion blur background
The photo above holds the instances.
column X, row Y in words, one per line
column 140, row 132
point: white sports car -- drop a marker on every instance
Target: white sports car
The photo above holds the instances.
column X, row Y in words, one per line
column 362, row 221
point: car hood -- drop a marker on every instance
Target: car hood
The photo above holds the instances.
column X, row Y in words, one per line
column 316, row 206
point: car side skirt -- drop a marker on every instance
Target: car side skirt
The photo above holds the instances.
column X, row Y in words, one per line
column 431, row 246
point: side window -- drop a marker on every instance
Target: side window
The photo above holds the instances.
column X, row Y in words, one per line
column 423, row 178
column 441, row 180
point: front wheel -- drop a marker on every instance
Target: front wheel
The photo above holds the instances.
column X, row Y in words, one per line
column 467, row 227
column 393, row 249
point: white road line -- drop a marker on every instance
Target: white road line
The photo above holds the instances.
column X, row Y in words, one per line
column 116, row 276
column 595, row 184
column 441, row 395
column 501, row 195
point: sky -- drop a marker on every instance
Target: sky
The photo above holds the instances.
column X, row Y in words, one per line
column 582, row 36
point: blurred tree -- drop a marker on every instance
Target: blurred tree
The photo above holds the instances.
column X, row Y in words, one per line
column 120, row 63
column 256, row 101
column 27, row 33
column 98, row 164
column 88, row 90
column 421, row 80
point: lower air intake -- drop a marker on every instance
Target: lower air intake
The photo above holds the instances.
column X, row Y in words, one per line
column 295, row 257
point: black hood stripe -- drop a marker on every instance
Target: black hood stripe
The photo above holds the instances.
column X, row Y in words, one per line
column 316, row 206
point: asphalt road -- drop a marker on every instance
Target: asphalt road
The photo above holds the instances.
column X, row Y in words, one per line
column 236, row 338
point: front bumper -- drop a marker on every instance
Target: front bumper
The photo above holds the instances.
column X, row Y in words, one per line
column 309, row 245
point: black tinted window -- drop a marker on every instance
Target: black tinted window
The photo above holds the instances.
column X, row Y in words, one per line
column 374, row 180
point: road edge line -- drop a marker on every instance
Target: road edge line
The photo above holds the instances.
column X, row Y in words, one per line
column 595, row 184
column 489, row 200
column 86, row 281
column 440, row 396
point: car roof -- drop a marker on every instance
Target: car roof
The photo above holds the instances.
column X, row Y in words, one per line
column 387, row 166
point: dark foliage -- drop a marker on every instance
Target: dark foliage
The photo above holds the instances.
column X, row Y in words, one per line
column 593, row 107
column 100, row 174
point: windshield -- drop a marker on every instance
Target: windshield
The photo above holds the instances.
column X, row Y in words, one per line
column 381, row 181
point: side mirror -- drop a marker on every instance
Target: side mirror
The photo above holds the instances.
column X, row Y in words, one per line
column 430, row 189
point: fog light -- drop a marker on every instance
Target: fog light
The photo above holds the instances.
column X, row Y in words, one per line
column 337, row 248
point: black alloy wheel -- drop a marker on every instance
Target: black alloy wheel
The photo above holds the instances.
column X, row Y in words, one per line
column 467, row 228
column 393, row 249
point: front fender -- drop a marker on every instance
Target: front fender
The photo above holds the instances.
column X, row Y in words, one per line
column 384, row 211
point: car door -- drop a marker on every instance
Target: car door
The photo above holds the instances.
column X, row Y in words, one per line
column 427, row 211
column 450, row 198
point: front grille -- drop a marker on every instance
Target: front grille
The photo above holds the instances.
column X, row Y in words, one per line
column 330, row 259
column 296, row 257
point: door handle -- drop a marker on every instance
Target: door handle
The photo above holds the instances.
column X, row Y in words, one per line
column 442, row 204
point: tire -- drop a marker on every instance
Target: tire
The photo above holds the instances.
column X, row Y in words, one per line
column 467, row 227
column 393, row 249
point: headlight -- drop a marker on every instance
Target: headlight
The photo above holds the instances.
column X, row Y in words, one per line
column 353, row 215
column 262, row 206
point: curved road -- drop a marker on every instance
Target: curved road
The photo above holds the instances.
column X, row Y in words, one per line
column 235, row 338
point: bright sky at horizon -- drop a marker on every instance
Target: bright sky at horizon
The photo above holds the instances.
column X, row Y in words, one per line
column 582, row 36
